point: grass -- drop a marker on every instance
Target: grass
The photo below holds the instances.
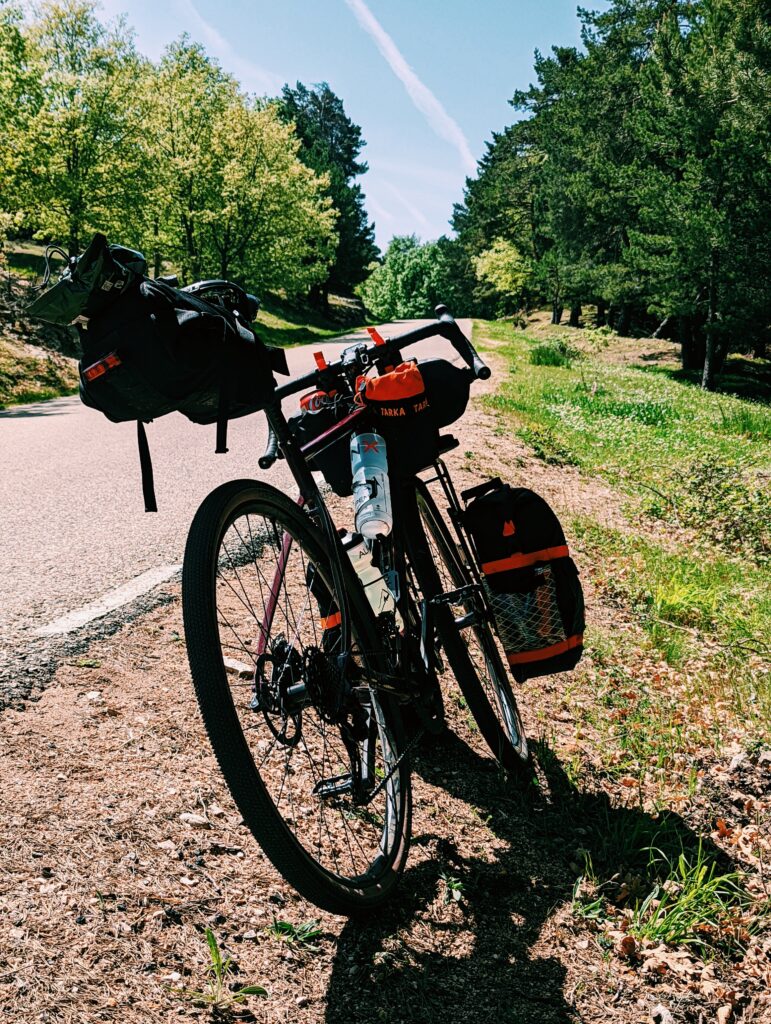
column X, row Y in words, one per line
column 278, row 323
column 692, row 468
column 27, row 377
column 221, row 994
column 698, row 906
column 633, row 427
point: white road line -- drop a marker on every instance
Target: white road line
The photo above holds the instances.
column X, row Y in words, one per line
column 110, row 601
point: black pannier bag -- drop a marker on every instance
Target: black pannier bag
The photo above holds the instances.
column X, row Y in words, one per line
column 320, row 411
column 531, row 580
column 399, row 409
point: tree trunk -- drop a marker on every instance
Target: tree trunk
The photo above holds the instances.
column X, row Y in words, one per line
column 575, row 315
column 624, row 319
column 157, row 261
column 601, row 313
column 691, row 345
column 73, row 242
column 759, row 348
column 556, row 311
column 664, row 323
column 711, row 353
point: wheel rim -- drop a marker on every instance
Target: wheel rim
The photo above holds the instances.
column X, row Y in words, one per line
column 277, row 634
column 481, row 644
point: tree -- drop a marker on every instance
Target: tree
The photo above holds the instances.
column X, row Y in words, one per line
column 188, row 94
column 231, row 196
column 268, row 220
column 80, row 162
column 639, row 179
column 412, row 279
column 331, row 144
column 505, row 268
column 19, row 92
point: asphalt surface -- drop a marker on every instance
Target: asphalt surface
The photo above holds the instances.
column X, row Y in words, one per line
column 79, row 555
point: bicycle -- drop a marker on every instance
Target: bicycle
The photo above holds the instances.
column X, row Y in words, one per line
column 313, row 700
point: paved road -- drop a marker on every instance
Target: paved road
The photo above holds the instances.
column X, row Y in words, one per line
column 72, row 522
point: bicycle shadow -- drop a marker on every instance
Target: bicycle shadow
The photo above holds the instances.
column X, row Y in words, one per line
column 415, row 965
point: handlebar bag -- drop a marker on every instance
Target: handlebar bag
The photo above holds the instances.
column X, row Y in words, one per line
column 400, row 410
column 447, row 387
column 531, row 581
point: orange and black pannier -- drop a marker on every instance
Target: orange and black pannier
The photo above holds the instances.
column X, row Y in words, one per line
column 531, row 580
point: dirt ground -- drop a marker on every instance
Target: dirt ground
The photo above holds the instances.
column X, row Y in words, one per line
column 106, row 892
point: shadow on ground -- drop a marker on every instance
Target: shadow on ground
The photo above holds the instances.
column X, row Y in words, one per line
column 411, row 966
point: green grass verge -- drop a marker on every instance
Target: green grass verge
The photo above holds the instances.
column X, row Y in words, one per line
column 630, row 425
column 699, row 596
column 275, row 327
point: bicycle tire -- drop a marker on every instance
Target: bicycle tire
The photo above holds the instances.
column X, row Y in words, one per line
column 249, row 783
column 492, row 703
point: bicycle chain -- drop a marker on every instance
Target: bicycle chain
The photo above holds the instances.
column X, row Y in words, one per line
column 381, row 785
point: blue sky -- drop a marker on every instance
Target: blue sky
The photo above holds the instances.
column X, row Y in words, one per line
column 427, row 80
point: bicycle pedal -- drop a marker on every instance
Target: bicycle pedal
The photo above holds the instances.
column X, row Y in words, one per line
column 338, row 785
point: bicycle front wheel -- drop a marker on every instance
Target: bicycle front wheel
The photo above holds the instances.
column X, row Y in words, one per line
column 310, row 752
column 466, row 636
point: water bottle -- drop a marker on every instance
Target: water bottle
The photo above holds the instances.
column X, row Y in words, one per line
column 375, row 587
column 371, row 490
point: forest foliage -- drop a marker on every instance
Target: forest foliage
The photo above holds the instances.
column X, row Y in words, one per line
column 637, row 180
column 173, row 157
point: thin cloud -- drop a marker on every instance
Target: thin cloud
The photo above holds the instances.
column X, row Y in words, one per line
column 379, row 211
column 433, row 111
column 251, row 75
column 414, row 212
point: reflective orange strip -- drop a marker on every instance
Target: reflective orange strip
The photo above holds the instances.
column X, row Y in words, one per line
column 332, row 620
column 546, row 652
column 520, row 561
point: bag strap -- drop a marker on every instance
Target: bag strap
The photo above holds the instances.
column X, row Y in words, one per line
column 226, row 364
column 146, row 466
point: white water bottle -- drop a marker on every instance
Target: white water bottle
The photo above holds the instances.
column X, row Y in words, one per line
column 371, row 489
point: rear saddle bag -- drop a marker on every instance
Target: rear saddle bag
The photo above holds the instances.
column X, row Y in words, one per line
column 531, row 581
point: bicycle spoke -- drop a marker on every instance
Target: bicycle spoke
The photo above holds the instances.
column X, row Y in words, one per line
column 263, row 592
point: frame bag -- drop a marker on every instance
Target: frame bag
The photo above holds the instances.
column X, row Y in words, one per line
column 531, row 580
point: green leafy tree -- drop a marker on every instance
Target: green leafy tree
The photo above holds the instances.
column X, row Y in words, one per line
column 188, row 94
column 505, row 268
column 19, row 94
column 80, row 163
column 331, row 144
column 412, row 279
column 268, row 220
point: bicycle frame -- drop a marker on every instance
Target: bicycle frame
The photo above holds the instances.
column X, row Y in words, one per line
column 311, row 497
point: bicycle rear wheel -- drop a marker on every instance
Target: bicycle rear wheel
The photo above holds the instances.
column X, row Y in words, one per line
column 310, row 755
column 471, row 649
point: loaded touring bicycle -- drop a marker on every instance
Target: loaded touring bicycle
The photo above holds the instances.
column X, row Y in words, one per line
column 321, row 652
